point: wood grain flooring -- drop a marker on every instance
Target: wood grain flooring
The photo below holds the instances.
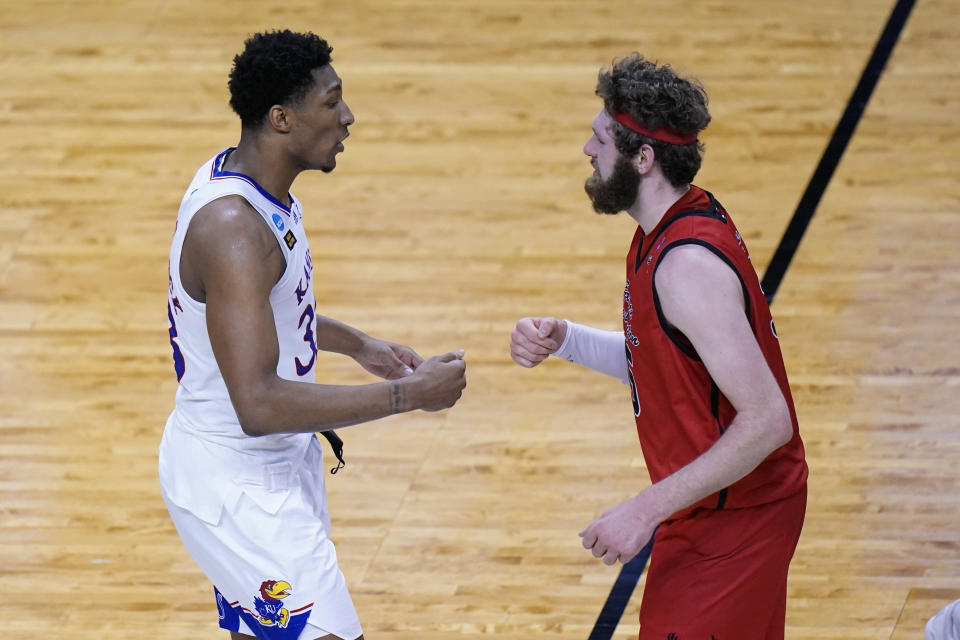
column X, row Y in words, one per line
column 457, row 208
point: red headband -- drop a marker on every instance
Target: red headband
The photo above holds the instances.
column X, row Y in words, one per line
column 660, row 133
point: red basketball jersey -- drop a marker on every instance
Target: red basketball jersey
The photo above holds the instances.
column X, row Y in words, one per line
column 680, row 411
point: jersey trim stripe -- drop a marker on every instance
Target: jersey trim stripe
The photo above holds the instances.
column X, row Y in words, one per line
column 713, row 212
column 715, row 410
column 216, row 173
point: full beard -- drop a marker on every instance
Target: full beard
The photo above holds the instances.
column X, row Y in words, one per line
column 618, row 192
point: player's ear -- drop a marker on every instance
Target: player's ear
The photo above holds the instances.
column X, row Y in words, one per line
column 644, row 159
column 279, row 118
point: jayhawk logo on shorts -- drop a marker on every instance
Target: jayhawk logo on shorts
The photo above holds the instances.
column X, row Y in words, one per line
column 270, row 607
column 268, row 619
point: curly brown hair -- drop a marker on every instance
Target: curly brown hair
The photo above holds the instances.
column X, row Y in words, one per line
column 655, row 96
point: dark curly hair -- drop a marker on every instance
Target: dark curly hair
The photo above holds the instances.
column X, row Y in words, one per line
column 655, row 96
column 274, row 68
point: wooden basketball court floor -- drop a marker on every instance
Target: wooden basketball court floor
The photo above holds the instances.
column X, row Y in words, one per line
column 457, row 208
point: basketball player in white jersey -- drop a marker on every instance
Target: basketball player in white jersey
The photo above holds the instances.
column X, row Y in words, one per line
column 240, row 465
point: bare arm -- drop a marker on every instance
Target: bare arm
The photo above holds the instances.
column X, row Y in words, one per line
column 236, row 258
column 381, row 358
column 702, row 298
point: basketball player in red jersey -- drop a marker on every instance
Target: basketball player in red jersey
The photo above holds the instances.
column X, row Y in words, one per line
column 700, row 354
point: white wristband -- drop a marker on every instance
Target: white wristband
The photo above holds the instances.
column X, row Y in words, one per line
column 596, row 349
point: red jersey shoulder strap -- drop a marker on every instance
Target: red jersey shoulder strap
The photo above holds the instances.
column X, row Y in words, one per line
column 715, row 210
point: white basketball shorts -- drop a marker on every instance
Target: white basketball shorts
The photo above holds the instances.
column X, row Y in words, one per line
column 275, row 576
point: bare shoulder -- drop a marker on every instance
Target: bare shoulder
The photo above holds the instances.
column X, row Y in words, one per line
column 227, row 240
column 694, row 284
column 693, row 267
column 230, row 222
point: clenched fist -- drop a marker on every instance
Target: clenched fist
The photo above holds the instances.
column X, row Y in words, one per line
column 437, row 383
column 533, row 339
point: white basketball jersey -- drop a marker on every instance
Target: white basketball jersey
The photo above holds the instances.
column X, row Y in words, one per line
column 203, row 435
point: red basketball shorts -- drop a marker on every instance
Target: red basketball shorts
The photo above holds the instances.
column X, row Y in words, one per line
column 722, row 575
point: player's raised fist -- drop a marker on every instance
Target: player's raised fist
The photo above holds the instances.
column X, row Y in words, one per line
column 535, row 338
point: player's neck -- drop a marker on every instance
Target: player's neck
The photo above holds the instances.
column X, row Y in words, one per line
column 655, row 196
column 264, row 165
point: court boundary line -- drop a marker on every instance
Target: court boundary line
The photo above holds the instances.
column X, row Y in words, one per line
column 856, row 105
column 620, row 594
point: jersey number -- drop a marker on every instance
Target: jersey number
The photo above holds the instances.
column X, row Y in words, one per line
column 307, row 318
column 178, row 364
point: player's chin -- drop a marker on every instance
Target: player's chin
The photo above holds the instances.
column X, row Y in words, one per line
column 329, row 164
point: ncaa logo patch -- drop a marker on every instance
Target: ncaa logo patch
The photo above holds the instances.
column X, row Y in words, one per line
column 278, row 222
column 290, row 239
